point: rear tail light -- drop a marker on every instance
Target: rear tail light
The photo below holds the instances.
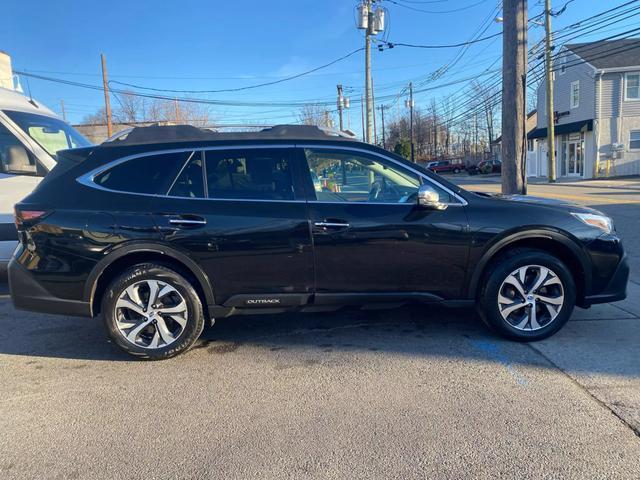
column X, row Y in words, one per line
column 23, row 217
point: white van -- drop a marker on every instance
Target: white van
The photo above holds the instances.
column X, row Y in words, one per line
column 30, row 136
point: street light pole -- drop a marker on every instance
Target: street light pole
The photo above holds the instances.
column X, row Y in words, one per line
column 551, row 140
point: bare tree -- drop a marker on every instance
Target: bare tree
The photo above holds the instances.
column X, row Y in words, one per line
column 97, row 118
column 447, row 109
column 313, row 114
column 486, row 101
column 132, row 109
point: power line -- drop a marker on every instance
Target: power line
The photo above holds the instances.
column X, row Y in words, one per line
column 395, row 2
column 451, row 45
column 249, row 87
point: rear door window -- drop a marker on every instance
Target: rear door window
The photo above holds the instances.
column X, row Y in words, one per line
column 190, row 181
column 253, row 174
column 150, row 174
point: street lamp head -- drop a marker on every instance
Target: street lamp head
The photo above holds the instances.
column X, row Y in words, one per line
column 498, row 19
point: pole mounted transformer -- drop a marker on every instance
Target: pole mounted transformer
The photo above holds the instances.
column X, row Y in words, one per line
column 363, row 16
column 378, row 20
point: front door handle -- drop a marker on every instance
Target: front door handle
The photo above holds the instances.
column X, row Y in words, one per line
column 332, row 224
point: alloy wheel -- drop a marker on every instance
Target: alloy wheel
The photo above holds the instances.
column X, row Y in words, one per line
column 531, row 297
column 151, row 314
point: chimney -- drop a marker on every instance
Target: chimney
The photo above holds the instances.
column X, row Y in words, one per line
column 6, row 74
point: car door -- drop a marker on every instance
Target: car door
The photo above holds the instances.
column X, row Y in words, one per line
column 369, row 234
column 237, row 212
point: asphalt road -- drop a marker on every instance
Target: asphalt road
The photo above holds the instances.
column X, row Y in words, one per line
column 410, row 393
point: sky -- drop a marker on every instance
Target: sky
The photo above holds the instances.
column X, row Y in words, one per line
column 213, row 45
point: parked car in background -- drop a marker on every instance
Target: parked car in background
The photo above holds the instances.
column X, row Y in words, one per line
column 445, row 166
column 178, row 226
column 490, row 166
column 30, row 137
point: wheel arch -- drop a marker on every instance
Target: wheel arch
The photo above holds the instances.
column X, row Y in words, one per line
column 113, row 264
column 553, row 242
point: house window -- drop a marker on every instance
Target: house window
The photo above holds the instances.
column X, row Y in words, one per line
column 530, row 145
column 575, row 94
column 563, row 64
column 632, row 90
column 634, row 140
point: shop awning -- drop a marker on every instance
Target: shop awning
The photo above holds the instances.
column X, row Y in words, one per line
column 582, row 125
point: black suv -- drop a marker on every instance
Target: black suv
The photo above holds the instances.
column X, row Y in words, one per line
column 167, row 228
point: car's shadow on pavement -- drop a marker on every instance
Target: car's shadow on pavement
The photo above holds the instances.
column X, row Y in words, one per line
column 417, row 331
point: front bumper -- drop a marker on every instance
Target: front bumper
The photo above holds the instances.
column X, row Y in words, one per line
column 615, row 290
column 28, row 294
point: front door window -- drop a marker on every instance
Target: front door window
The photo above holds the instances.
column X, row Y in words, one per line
column 345, row 177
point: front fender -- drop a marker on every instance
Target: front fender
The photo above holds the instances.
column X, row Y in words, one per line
column 513, row 238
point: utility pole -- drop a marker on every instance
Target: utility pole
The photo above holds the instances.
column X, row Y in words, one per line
column 340, row 106
column 107, row 102
column 373, row 109
column 384, row 141
column 475, row 138
column 551, row 137
column 367, row 74
column 64, row 113
column 410, row 105
column 177, row 107
column 372, row 22
column 364, row 131
column 514, row 65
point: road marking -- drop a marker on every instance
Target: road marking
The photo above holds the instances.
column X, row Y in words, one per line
column 493, row 351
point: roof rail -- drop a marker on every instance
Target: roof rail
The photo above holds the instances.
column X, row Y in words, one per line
column 184, row 133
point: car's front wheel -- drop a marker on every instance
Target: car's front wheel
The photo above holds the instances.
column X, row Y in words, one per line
column 152, row 312
column 527, row 295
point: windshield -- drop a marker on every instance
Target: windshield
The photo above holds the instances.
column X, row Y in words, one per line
column 51, row 133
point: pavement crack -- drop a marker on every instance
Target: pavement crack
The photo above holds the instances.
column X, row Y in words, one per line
column 626, row 311
column 585, row 390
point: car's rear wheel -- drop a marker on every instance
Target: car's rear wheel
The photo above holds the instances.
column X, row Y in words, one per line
column 152, row 312
column 456, row 170
column 527, row 295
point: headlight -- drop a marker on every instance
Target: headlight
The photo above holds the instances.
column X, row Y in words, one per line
column 599, row 221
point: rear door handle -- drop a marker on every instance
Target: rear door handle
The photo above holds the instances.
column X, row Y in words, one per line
column 187, row 222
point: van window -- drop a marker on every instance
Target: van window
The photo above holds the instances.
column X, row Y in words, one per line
column 261, row 174
column 14, row 158
column 151, row 174
column 50, row 133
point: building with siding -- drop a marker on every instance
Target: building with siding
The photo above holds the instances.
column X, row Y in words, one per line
column 596, row 94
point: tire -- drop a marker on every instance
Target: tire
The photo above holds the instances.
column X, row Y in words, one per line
column 158, row 330
column 456, row 170
column 504, row 308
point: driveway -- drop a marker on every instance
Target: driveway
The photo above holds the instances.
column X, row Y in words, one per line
column 410, row 393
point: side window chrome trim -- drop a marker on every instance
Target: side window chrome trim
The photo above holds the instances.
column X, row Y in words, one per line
column 462, row 201
column 184, row 165
column 88, row 179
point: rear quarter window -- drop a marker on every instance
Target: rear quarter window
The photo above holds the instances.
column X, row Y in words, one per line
column 151, row 174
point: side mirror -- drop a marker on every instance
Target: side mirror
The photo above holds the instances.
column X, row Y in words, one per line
column 17, row 161
column 428, row 197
